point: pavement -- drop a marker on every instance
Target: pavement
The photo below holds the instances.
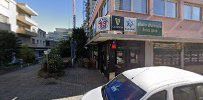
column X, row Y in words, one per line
column 24, row 84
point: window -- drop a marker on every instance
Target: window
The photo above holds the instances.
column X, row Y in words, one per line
column 123, row 5
column 184, row 93
column 33, row 41
column 4, row 3
column 3, row 19
column 165, row 8
column 140, row 6
column 159, row 96
column 170, row 9
column 192, row 12
column 105, row 9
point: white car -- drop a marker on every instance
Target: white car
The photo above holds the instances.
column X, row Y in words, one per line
column 151, row 83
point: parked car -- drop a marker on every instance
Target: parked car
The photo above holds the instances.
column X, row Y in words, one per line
column 151, row 83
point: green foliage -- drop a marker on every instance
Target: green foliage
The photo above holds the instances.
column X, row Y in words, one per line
column 64, row 48
column 55, row 62
column 80, row 37
column 27, row 54
column 8, row 45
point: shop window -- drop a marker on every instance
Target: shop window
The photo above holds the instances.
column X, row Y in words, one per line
column 140, row 6
column 193, row 54
column 192, row 12
column 165, row 8
column 167, row 54
column 123, row 5
column 120, row 58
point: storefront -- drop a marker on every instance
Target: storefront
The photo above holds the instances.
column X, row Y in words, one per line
column 127, row 43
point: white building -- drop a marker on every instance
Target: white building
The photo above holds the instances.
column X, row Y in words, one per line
column 17, row 17
column 59, row 34
column 8, row 15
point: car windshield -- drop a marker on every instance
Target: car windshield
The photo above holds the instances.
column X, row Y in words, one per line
column 121, row 88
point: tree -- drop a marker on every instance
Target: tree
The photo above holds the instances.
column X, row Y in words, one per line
column 80, row 37
column 8, row 46
column 27, row 54
column 64, row 48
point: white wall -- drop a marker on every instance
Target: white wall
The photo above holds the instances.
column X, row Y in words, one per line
column 10, row 13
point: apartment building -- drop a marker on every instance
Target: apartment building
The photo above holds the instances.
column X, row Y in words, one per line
column 17, row 17
column 60, row 34
column 26, row 26
column 40, row 43
column 8, row 15
column 136, row 33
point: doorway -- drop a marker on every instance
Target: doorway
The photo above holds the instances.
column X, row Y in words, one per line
column 129, row 55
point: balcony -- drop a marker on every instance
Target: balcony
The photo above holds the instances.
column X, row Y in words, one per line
column 27, row 20
column 5, row 26
column 26, row 32
column 27, row 9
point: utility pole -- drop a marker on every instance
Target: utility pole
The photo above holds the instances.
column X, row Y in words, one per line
column 74, row 15
column 73, row 42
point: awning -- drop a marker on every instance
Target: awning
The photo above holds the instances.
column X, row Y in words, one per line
column 101, row 37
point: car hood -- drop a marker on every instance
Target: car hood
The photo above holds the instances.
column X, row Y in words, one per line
column 94, row 94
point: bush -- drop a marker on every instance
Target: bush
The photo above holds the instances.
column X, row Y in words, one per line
column 55, row 66
column 8, row 45
column 55, row 62
column 27, row 54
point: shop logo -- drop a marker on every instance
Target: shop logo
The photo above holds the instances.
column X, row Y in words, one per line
column 118, row 21
column 130, row 23
column 103, row 23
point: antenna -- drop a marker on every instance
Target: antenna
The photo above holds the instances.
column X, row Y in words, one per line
column 74, row 16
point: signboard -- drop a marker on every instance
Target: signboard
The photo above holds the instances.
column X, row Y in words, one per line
column 103, row 24
column 146, row 27
column 117, row 23
column 130, row 24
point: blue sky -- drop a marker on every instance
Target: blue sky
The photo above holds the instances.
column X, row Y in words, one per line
column 55, row 13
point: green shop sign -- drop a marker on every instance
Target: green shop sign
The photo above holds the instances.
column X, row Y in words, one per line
column 146, row 27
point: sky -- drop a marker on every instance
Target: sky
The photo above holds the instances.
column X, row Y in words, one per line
column 55, row 13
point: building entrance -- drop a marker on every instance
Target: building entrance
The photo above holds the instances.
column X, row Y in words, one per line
column 129, row 55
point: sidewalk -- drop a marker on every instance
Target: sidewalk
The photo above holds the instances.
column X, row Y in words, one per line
column 25, row 85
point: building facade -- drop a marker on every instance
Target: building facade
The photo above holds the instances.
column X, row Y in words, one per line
column 8, row 15
column 40, row 42
column 59, row 34
column 136, row 33
column 17, row 17
column 26, row 26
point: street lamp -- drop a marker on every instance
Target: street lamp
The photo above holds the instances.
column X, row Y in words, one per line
column 47, row 58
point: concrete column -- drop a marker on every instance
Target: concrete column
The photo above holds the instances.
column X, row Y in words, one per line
column 149, row 53
column 182, row 58
column 112, row 6
column 181, row 9
column 151, row 7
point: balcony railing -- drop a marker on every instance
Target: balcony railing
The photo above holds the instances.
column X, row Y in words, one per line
column 27, row 32
column 26, row 20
